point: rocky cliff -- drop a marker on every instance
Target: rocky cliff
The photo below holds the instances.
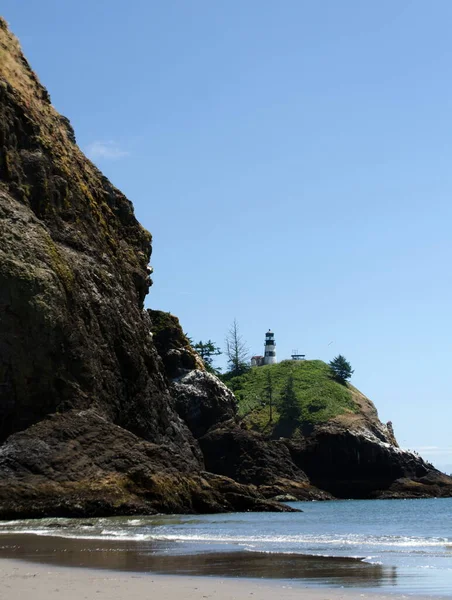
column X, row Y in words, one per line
column 104, row 407
column 338, row 441
column 87, row 420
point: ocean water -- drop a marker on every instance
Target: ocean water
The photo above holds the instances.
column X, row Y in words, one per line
column 391, row 545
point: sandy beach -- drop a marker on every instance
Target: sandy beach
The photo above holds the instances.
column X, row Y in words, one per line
column 21, row 580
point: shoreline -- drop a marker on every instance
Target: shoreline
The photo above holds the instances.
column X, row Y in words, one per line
column 23, row 580
column 167, row 558
column 41, row 567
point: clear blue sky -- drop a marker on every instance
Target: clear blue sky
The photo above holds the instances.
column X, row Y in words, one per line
column 292, row 160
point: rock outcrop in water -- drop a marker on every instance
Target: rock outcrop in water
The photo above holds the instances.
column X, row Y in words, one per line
column 104, row 407
column 353, row 462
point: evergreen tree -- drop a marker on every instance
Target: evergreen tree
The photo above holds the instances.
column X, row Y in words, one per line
column 341, row 368
column 268, row 392
column 236, row 351
column 207, row 351
column 289, row 406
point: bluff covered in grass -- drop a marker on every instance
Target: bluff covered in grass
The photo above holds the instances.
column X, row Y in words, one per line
column 320, row 396
column 336, row 438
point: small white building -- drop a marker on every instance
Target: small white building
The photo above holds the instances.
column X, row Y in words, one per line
column 270, row 348
column 257, row 361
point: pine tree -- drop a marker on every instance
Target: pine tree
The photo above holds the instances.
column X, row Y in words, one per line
column 207, row 351
column 268, row 392
column 236, row 351
column 289, row 406
column 341, row 368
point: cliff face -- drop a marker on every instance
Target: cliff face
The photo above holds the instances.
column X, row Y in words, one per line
column 355, row 463
column 104, row 407
column 355, row 455
column 87, row 420
column 72, row 274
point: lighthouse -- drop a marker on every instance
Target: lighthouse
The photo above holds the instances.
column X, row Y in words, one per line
column 270, row 352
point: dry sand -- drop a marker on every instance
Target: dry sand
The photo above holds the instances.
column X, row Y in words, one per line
column 20, row 580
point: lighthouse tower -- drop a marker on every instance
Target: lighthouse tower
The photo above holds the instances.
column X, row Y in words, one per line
column 270, row 352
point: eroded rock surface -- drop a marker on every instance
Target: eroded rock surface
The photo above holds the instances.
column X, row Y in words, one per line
column 87, row 420
column 79, row 463
column 353, row 462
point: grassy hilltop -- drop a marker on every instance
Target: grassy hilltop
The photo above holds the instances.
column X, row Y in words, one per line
column 320, row 397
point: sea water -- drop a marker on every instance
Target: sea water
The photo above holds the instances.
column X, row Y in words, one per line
column 398, row 545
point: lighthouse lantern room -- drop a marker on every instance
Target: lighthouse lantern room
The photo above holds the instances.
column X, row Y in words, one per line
column 270, row 351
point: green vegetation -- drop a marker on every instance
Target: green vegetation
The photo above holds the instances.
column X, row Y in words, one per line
column 207, row 350
column 269, row 394
column 289, row 404
column 59, row 264
column 341, row 368
column 304, row 392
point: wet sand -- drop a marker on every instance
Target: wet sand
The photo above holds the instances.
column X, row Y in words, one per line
column 38, row 567
column 21, row 580
column 167, row 558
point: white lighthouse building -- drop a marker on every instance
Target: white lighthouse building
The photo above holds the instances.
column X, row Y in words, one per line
column 270, row 351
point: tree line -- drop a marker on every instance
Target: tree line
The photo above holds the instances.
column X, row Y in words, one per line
column 236, row 350
column 237, row 353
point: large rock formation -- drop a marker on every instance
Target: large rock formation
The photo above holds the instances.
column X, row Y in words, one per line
column 355, row 455
column 355, row 463
column 87, row 421
column 201, row 399
column 209, row 409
